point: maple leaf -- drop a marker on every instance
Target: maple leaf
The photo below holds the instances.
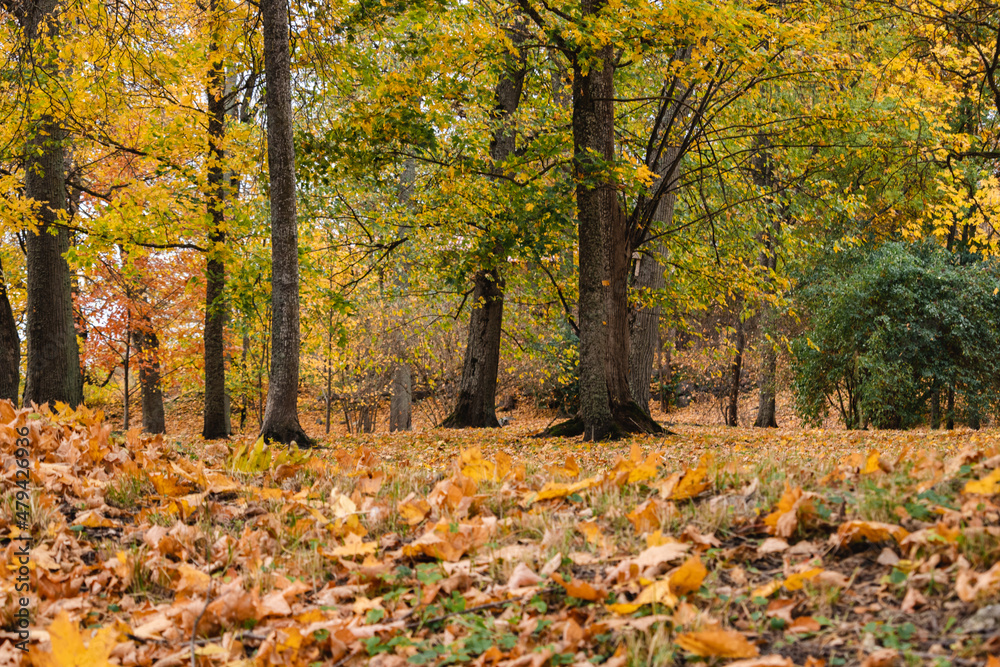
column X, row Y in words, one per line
column 717, row 644
column 793, row 507
column 72, row 648
column 987, row 486
column 578, row 588
column 692, row 483
column 688, row 577
column 659, row 592
column 353, row 546
column 873, row 531
column 475, row 467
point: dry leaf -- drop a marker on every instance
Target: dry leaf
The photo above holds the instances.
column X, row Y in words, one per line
column 717, row 644
column 688, row 577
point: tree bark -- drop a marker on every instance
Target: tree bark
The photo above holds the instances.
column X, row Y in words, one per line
column 645, row 321
column 763, row 173
column 281, row 416
column 736, row 368
column 950, row 414
column 10, row 347
column 935, row 407
column 53, row 358
column 400, row 414
column 401, row 403
column 476, row 404
column 215, row 423
column 597, row 206
column 147, row 345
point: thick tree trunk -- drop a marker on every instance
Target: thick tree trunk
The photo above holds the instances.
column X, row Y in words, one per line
column 401, row 403
column 10, row 347
column 597, row 205
column 735, row 368
column 476, row 405
column 216, row 423
column 147, row 346
column 281, row 416
column 53, row 359
column 53, row 363
column 650, row 277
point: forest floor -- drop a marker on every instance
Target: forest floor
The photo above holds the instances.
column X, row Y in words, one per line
column 722, row 546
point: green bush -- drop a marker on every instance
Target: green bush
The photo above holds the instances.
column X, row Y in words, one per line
column 894, row 327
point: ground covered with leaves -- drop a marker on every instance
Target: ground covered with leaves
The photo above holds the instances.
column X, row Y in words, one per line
column 715, row 546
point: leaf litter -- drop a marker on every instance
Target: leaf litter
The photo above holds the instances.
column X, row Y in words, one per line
column 721, row 546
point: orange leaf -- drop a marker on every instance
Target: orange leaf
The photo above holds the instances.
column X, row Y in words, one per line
column 69, row 648
column 693, row 481
column 717, row 644
column 688, row 577
column 578, row 588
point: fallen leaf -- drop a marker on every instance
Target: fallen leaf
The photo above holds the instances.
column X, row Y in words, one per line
column 717, row 644
column 688, row 577
column 578, row 588
column 73, row 648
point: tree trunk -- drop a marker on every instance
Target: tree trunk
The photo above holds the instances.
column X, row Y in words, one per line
column 147, row 346
column 401, row 403
column 281, row 416
column 666, row 370
column 127, row 366
column 10, row 347
column 645, row 321
column 53, row 359
column 476, row 404
column 597, row 205
column 763, row 176
column 950, row 416
column 215, row 423
column 736, row 368
column 935, row 407
column 400, row 415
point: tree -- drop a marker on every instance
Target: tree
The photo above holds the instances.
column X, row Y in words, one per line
column 216, row 417
column 10, row 347
column 476, row 403
column 53, row 359
column 890, row 326
column 281, row 418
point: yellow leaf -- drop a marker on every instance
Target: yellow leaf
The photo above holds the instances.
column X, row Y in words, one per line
column 646, row 517
column 767, row 590
column 717, row 644
column 353, row 546
column 873, row 531
column 93, row 519
column 871, row 463
column 475, row 467
column 688, row 577
column 798, row 581
column 659, row 592
column 693, row 481
column 69, row 648
column 987, row 486
column 414, row 511
column 592, row 531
